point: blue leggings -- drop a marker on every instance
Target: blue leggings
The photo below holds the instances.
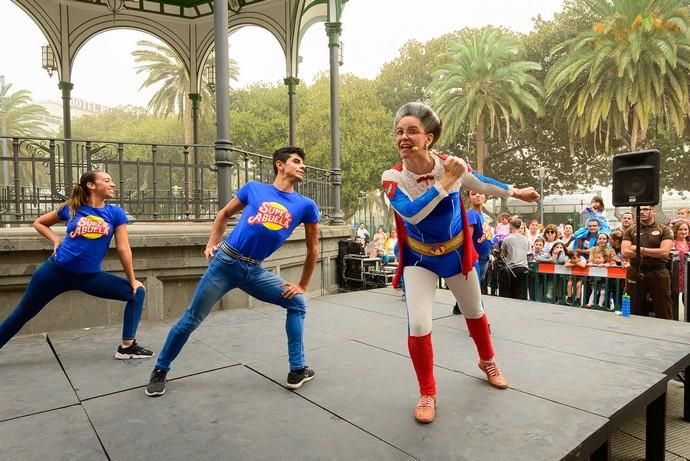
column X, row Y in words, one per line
column 51, row 280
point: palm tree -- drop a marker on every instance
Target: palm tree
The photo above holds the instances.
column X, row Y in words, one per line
column 23, row 117
column 164, row 67
column 630, row 68
column 485, row 82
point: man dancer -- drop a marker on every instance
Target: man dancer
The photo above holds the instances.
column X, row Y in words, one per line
column 271, row 213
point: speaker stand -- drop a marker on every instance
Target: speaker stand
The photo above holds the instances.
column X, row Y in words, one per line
column 639, row 294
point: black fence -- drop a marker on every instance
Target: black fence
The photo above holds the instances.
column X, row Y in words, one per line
column 155, row 182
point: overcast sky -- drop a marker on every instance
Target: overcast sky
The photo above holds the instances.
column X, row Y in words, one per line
column 373, row 32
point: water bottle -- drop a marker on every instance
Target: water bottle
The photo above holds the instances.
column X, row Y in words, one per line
column 625, row 305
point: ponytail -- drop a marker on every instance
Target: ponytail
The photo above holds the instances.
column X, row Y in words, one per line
column 80, row 192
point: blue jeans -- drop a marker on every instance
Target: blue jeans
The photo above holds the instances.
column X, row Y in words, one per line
column 223, row 274
column 51, row 279
column 483, row 263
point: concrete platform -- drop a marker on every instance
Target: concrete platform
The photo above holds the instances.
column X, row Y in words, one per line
column 582, row 383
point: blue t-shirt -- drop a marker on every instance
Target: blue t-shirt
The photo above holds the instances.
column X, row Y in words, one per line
column 87, row 236
column 483, row 246
column 269, row 217
column 585, row 243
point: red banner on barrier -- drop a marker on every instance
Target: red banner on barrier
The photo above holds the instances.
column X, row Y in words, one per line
column 612, row 272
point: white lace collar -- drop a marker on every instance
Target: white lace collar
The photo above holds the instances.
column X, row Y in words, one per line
column 415, row 185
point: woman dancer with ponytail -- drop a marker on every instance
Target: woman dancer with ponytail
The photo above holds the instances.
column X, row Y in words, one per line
column 435, row 241
column 76, row 263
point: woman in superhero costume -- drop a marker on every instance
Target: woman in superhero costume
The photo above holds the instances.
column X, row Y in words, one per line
column 432, row 226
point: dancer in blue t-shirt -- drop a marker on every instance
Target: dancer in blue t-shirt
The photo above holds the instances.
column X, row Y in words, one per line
column 271, row 213
column 76, row 262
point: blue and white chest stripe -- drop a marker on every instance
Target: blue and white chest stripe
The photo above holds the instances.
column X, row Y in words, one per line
column 413, row 210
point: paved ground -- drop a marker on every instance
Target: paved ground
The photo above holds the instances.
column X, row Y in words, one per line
column 572, row 372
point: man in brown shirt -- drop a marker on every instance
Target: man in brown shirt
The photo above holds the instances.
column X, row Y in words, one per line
column 656, row 243
column 626, row 221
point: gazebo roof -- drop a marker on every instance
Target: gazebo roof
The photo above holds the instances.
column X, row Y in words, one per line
column 186, row 26
column 193, row 9
column 181, row 8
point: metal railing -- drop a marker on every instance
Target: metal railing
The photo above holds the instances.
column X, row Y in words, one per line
column 155, row 182
column 599, row 288
column 595, row 287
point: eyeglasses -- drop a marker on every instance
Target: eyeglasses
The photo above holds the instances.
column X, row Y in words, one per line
column 550, row 232
column 413, row 131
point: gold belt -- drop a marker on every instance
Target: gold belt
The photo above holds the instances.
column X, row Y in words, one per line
column 435, row 249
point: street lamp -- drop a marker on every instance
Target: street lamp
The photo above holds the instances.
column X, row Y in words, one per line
column 363, row 213
column 211, row 72
column 542, row 175
column 3, row 111
column 48, row 59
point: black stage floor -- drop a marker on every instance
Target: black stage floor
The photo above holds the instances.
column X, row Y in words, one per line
column 576, row 377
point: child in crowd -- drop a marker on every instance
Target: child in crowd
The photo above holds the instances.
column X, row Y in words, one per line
column 597, row 257
column 594, row 211
column 610, row 258
column 523, row 230
column 558, row 253
column 557, row 256
column 535, row 281
column 682, row 214
column 575, row 259
column 616, row 243
column 539, row 254
column 532, row 233
column 502, row 227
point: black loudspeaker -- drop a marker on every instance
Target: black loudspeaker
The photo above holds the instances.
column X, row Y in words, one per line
column 636, row 178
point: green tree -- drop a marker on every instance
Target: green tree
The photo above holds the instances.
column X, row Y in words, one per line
column 407, row 77
column 485, row 84
column 165, row 68
column 365, row 124
column 23, row 117
column 631, row 67
column 259, row 117
column 130, row 124
column 544, row 141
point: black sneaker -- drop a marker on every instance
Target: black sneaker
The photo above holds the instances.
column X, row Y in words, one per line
column 456, row 309
column 135, row 351
column 296, row 378
column 156, row 385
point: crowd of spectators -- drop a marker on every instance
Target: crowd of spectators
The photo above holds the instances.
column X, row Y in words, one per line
column 516, row 244
column 383, row 245
column 593, row 244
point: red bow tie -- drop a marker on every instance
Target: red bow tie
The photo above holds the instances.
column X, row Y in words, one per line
column 425, row 178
